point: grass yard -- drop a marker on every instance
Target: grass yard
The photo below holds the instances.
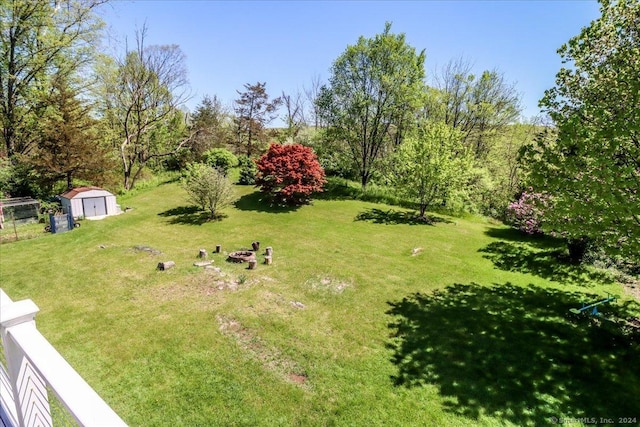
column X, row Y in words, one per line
column 365, row 318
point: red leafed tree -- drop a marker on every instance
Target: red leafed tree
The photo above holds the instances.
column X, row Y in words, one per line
column 290, row 173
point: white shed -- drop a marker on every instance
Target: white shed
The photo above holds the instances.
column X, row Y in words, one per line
column 89, row 202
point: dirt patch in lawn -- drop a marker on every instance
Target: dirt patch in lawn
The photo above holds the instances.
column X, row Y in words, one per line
column 147, row 249
column 271, row 358
column 203, row 284
column 328, row 283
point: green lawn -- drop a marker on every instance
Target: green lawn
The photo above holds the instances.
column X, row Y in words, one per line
column 348, row 327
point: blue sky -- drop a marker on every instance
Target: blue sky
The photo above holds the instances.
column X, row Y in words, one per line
column 286, row 43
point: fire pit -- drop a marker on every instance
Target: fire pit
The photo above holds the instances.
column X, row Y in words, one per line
column 241, row 256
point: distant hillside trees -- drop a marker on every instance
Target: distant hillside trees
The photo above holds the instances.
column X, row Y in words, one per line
column 294, row 115
column 479, row 107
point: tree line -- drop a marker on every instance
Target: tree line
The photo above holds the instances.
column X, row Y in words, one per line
column 452, row 140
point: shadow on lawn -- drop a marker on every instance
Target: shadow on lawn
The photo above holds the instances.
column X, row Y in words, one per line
column 190, row 215
column 258, row 202
column 538, row 241
column 551, row 263
column 517, row 353
column 379, row 216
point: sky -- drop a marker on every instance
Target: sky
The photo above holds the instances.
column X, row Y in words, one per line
column 287, row 43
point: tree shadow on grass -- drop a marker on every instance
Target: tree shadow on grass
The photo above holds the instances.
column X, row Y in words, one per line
column 517, row 353
column 538, row 241
column 190, row 215
column 337, row 189
column 259, row 202
column 379, row 216
column 550, row 264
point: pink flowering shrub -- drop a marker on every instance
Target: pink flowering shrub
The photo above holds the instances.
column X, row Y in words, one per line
column 527, row 212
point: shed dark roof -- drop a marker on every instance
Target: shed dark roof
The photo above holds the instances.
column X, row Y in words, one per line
column 70, row 194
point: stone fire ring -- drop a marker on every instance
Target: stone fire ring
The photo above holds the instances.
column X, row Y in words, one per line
column 241, row 256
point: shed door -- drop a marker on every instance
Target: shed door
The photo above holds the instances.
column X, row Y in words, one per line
column 94, row 206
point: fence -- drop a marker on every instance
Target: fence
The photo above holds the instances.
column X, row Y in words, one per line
column 32, row 366
column 20, row 209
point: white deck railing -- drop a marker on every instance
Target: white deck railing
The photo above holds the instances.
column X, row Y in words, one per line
column 32, row 366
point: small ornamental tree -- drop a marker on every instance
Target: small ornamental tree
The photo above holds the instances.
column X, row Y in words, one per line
column 208, row 188
column 290, row 173
column 526, row 213
column 430, row 164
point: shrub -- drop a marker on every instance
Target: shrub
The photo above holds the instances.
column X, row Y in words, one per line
column 220, row 158
column 6, row 175
column 290, row 173
column 248, row 171
column 209, row 188
column 527, row 212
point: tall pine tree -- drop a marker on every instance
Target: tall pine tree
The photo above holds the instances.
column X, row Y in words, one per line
column 69, row 148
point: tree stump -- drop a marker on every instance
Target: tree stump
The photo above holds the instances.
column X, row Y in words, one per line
column 268, row 259
column 269, row 251
column 166, row 265
column 255, row 246
column 203, row 253
column 218, row 249
column 252, row 264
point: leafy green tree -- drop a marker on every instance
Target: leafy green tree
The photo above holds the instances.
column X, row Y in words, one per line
column 333, row 154
column 208, row 188
column 499, row 177
column 373, row 93
column 592, row 168
column 430, row 164
column 142, row 100
column 37, row 40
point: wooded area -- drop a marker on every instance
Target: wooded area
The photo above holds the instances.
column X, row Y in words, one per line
column 453, row 140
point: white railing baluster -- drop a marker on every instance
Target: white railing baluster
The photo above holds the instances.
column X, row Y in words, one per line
column 29, row 389
column 7, row 406
column 33, row 364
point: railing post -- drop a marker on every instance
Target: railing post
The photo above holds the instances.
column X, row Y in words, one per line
column 29, row 389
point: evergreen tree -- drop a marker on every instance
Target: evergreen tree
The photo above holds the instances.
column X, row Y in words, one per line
column 69, row 147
